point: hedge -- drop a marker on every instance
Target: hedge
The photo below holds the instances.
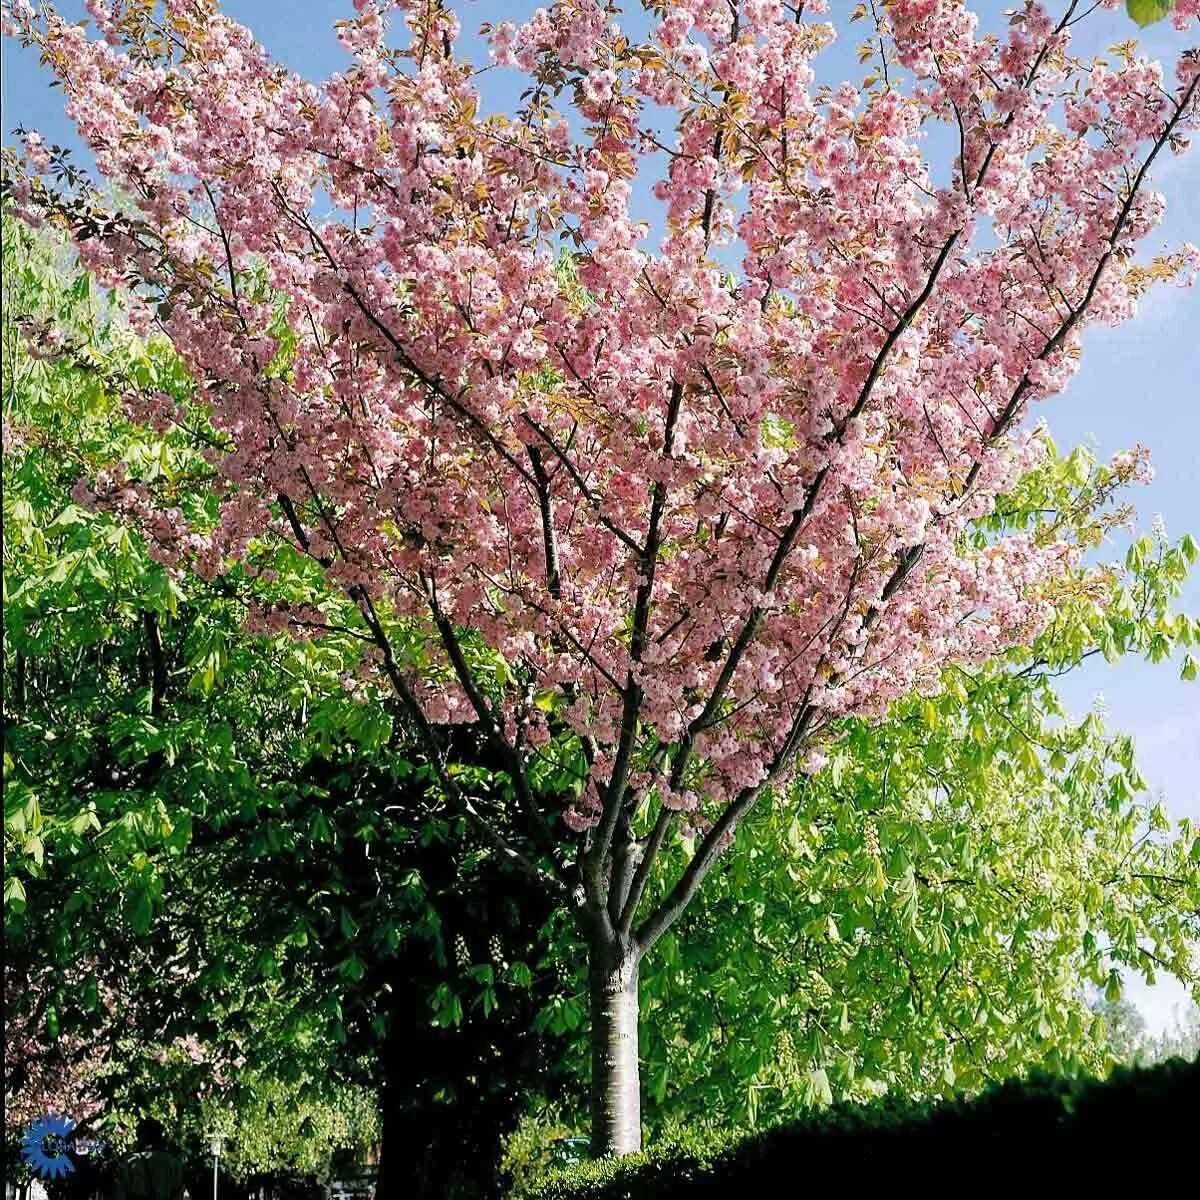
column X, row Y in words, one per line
column 1135, row 1113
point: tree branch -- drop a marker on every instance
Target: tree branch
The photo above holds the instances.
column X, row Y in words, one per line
column 593, row 500
column 615, row 793
column 508, row 753
column 718, row 837
column 549, row 537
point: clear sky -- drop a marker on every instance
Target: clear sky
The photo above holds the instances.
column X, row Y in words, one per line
column 1138, row 383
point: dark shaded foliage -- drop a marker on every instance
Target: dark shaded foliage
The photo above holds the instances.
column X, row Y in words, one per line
column 1001, row 1134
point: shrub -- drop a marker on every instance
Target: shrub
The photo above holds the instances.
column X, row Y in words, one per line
column 1006, row 1128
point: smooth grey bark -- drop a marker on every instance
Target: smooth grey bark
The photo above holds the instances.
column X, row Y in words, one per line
column 616, row 1081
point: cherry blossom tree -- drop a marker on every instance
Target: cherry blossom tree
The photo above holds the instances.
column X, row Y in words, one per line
column 41, row 1074
column 647, row 427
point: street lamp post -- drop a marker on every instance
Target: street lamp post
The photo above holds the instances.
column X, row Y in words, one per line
column 214, row 1146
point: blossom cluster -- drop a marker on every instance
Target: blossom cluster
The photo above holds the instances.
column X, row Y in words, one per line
column 710, row 486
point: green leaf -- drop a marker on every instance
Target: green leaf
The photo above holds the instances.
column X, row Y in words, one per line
column 84, row 821
column 352, row 968
column 820, row 1093
column 319, row 828
column 141, row 911
column 1146, row 12
column 519, row 975
column 14, row 892
column 1112, row 989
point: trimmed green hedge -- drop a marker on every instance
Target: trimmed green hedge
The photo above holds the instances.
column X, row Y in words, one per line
column 1004, row 1131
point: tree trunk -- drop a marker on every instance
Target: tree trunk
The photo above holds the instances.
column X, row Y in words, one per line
column 616, row 1083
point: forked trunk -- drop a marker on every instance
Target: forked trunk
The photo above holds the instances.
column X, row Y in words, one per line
column 616, row 1083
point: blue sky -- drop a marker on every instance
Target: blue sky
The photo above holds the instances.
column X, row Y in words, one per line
column 1138, row 383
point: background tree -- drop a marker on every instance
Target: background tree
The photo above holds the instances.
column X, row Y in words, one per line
column 664, row 526
column 1131, row 1041
column 170, row 776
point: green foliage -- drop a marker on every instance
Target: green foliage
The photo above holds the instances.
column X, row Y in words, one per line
column 1146, row 12
column 170, row 776
column 922, row 916
column 1005, row 1130
column 539, row 1146
column 280, row 1124
column 138, row 716
column 97, row 633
